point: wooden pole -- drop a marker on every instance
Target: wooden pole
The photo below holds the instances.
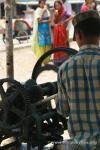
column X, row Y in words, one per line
column 14, row 8
column 9, row 39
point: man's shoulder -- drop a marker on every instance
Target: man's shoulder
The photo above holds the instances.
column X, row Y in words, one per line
column 68, row 62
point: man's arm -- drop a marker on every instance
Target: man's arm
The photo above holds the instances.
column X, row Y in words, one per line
column 62, row 97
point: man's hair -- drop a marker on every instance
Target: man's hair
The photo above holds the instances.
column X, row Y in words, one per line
column 89, row 27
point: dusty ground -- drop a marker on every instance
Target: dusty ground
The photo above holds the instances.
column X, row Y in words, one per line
column 24, row 62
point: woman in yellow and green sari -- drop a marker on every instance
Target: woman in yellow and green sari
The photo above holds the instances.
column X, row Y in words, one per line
column 41, row 31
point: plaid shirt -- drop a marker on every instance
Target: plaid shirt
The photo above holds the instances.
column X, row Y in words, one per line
column 79, row 95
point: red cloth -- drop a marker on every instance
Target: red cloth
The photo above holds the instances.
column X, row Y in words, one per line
column 59, row 35
column 60, row 40
column 84, row 8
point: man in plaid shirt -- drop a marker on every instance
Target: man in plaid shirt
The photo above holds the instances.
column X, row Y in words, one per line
column 79, row 85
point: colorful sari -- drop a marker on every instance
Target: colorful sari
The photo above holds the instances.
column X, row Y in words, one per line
column 60, row 36
column 86, row 7
column 41, row 35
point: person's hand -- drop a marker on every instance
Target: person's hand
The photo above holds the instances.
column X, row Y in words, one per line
column 67, row 20
column 45, row 8
column 56, row 12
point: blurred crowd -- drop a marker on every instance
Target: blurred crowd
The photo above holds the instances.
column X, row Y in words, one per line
column 51, row 27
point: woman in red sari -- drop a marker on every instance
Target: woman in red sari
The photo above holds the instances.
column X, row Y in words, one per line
column 61, row 19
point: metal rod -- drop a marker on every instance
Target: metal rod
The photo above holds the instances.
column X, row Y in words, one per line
column 45, row 100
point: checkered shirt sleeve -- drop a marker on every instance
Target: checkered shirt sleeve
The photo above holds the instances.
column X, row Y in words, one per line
column 62, row 97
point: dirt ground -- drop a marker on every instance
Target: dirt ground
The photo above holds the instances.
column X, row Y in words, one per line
column 24, row 62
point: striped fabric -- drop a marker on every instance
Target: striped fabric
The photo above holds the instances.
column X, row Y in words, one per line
column 79, row 96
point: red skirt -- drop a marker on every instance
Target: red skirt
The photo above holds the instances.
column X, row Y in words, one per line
column 59, row 40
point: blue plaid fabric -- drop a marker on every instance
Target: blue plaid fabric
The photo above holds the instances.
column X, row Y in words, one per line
column 79, row 96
